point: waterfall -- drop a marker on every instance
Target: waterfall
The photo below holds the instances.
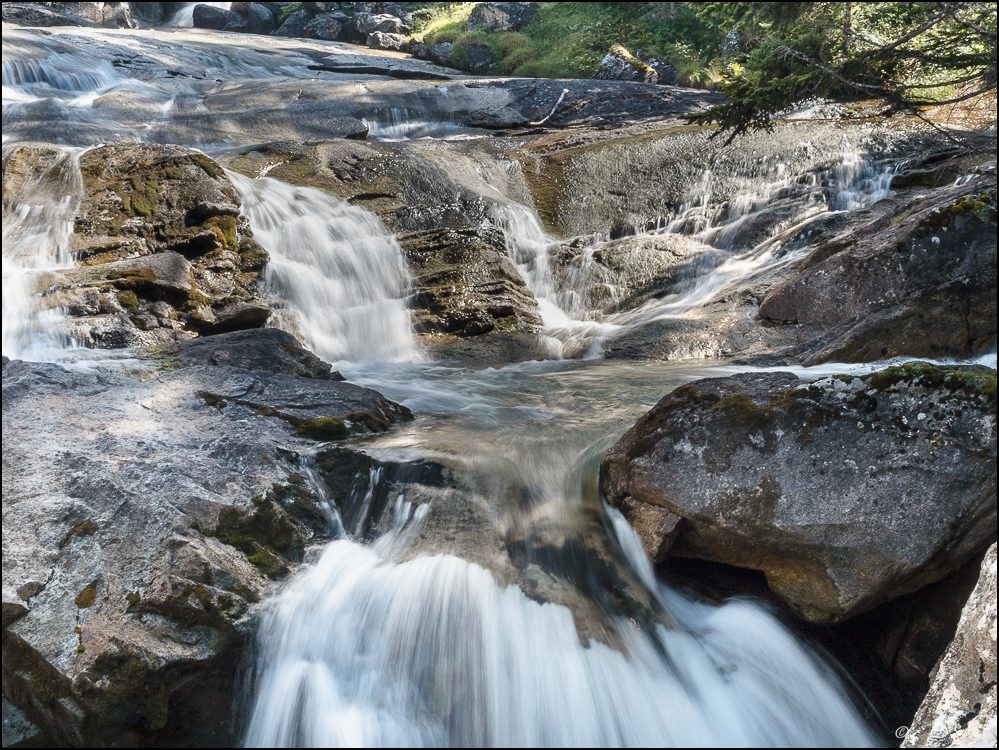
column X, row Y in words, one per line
column 341, row 275
column 37, row 226
column 359, row 650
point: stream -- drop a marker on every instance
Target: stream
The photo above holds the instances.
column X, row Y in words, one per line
column 382, row 641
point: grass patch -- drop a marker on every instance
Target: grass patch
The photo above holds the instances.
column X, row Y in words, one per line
column 568, row 40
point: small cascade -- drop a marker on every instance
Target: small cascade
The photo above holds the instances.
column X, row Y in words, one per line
column 184, row 18
column 402, row 124
column 51, row 98
column 340, row 274
column 37, row 226
column 988, row 360
column 717, row 258
column 326, row 501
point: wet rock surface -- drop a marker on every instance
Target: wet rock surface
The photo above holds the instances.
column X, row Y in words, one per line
column 469, row 299
column 831, row 489
column 411, row 186
column 960, row 709
column 918, row 282
column 167, row 507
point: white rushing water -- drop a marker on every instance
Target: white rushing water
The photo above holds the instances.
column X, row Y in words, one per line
column 377, row 644
column 361, row 651
column 38, row 223
column 402, row 124
column 341, row 275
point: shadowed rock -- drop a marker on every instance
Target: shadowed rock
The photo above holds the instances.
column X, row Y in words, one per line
column 144, row 519
column 33, row 14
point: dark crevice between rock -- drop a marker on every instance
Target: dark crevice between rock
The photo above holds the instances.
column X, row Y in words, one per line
column 371, row 70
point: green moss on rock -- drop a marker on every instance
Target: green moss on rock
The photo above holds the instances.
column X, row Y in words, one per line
column 87, row 598
column 134, row 278
column 129, row 301
column 45, row 687
column 265, row 536
column 322, row 428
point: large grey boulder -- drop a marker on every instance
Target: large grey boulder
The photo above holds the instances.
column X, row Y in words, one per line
column 960, row 709
column 31, row 14
column 920, row 281
column 325, row 26
column 367, row 23
column 110, row 15
column 393, row 42
column 620, row 65
column 845, row 493
column 501, row 16
column 402, row 11
column 438, row 53
column 260, row 19
column 294, row 25
column 267, row 350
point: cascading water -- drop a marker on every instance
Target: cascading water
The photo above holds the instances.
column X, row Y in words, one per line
column 382, row 643
column 716, row 262
column 378, row 645
column 400, row 124
column 433, row 652
column 37, row 225
column 341, row 274
column 51, row 96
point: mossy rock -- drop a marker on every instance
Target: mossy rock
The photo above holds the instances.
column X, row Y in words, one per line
column 322, row 428
column 87, row 598
column 268, row 536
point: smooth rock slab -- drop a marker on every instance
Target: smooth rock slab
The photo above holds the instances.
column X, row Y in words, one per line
column 846, row 493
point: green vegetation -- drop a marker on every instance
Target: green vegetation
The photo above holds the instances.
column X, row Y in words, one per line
column 323, row 428
column 765, row 57
column 908, row 55
column 266, row 536
column 971, row 382
column 568, row 40
column 129, row 301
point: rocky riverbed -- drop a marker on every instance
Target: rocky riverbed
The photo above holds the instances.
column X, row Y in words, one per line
column 306, row 339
